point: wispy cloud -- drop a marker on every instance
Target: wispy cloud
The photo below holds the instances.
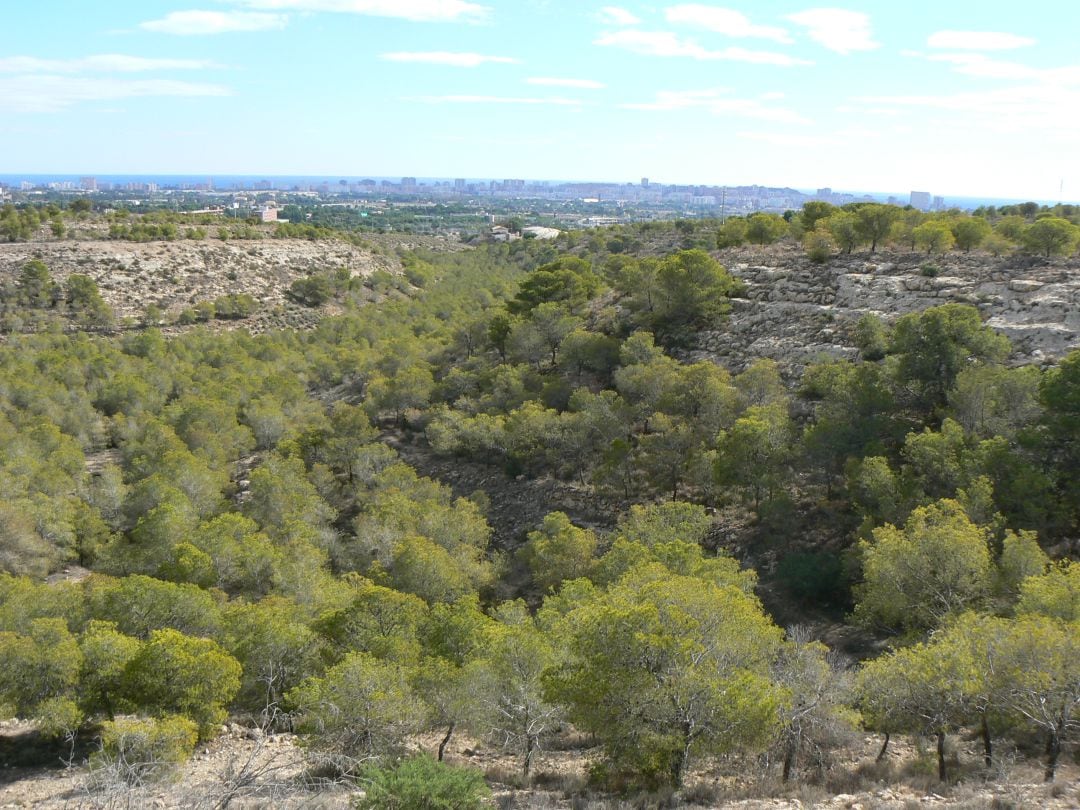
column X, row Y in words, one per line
column 977, row 41
column 101, row 63
column 1022, row 109
column 792, row 139
column 194, row 23
column 724, row 21
column 985, row 67
column 719, row 102
column 664, row 43
column 581, row 84
column 415, row 10
column 53, row 93
column 837, row 29
column 448, row 58
column 613, row 15
column 553, row 101
column 842, row 137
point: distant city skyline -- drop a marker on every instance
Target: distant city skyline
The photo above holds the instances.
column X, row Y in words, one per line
column 450, row 185
column 964, row 99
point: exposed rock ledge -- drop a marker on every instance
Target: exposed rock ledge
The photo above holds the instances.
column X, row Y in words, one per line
column 796, row 312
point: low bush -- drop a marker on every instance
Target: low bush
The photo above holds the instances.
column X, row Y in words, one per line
column 421, row 783
column 139, row 750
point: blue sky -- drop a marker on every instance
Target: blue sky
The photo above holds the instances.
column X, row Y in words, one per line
column 954, row 97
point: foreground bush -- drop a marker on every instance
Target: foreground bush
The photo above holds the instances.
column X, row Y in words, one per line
column 361, row 711
column 135, row 751
column 421, row 783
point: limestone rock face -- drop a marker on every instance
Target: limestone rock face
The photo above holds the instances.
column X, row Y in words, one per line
column 796, row 312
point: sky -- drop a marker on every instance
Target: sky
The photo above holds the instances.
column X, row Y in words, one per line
column 948, row 96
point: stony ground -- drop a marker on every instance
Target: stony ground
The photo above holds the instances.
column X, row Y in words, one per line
column 795, row 311
column 175, row 275
column 245, row 769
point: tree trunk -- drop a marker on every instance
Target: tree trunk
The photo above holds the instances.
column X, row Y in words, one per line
column 1053, row 750
column 446, row 741
column 529, row 746
column 884, row 748
column 789, row 761
column 941, row 755
column 988, row 749
column 678, row 767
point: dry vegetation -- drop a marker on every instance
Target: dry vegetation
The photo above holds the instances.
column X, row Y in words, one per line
column 245, row 768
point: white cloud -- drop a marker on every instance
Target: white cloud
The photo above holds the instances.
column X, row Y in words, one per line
column 977, row 41
column 792, row 139
column 718, row 102
column 663, row 43
column 724, row 21
column 191, row 23
column 102, row 63
column 553, row 101
column 1024, row 109
column 973, row 64
column 613, row 15
column 984, row 67
column 846, row 137
column 580, row 84
column 415, row 10
column 837, row 29
column 758, row 57
column 52, row 93
column 448, row 58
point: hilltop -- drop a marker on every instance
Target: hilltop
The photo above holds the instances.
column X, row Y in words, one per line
column 174, row 275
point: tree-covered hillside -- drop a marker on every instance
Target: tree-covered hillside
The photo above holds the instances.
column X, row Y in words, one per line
column 215, row 525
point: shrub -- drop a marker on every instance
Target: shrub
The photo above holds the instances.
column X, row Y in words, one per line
column 139, row 750
column 58, row 717
column 421, row 783
column 816, row 578
column 819, row 245
column 361, row 710
column 173, row 672
column 311, row 292
column 234, row 306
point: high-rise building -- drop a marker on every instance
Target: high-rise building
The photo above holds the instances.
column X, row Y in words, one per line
column 644, row 182
column 920, row 200
column 939, row 203
column 88, row 183
column 459, row 183
column 408, row 182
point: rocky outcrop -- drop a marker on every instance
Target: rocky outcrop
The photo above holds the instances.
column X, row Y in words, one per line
column 796, row 312
column 174, row 275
